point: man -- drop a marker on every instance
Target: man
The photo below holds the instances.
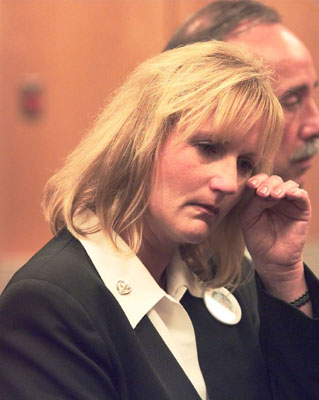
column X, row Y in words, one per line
column 260, row 28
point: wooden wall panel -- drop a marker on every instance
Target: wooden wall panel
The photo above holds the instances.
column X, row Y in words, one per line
column 79, row 51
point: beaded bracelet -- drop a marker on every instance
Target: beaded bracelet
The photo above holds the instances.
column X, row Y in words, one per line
column 302, row 300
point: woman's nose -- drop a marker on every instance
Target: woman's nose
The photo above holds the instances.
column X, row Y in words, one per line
column 225, row 177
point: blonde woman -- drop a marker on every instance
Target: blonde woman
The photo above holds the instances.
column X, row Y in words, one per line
column 151, row 213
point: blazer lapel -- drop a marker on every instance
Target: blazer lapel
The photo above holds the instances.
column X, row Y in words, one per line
column 167, row 369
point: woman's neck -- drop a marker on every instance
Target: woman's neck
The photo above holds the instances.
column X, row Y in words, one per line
column 156, row 259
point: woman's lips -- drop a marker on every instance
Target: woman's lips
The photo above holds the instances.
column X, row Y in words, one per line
column 207, row 208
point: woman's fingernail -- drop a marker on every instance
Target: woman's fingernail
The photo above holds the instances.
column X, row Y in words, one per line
column 253, row 182
column 276, row 192
column 263, row 190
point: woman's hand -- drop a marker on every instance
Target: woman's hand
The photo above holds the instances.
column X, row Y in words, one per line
column 275, row 225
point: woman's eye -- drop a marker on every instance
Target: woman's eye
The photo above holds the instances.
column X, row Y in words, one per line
column 246, row 166
column 209, row 148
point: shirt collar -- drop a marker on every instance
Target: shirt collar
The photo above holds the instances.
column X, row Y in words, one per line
column 115, row 265
column 180, row 278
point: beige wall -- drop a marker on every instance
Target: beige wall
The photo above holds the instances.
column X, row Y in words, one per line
column 79, row 51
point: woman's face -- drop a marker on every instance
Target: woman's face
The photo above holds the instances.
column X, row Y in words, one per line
column 196, row 183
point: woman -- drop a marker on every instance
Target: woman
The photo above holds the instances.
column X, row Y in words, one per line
column 174, row 170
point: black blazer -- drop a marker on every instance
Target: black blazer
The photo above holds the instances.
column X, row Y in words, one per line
column 64, row 336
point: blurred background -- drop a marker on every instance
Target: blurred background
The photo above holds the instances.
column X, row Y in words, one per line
column 59, row 61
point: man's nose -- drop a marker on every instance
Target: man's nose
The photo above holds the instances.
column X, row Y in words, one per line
column 225, row 178
column 310, row 123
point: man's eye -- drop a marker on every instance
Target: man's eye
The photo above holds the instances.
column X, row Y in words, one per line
column 291, row 101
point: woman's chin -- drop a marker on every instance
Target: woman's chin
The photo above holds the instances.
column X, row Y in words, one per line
column 196, row 236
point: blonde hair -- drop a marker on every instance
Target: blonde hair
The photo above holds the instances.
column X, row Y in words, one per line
column 110, row 172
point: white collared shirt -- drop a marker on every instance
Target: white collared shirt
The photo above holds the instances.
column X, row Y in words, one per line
column 146, row 297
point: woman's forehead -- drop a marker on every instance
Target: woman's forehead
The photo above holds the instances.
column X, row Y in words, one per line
column 225, row 130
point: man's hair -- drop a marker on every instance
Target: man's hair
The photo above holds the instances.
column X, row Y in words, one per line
column 111, row 171
column 220, row 18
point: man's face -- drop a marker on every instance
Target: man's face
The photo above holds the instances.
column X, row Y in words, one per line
column 296, row 80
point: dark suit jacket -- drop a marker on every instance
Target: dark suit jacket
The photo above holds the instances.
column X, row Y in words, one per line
column 64, row 336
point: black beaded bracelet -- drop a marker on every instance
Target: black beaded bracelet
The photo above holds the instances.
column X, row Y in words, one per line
column 302, row 300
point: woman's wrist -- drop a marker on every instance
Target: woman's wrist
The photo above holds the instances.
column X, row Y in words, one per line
column 289, row 286
column 301, row 300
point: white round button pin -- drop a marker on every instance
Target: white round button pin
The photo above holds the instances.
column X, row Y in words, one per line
column 222, row 305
